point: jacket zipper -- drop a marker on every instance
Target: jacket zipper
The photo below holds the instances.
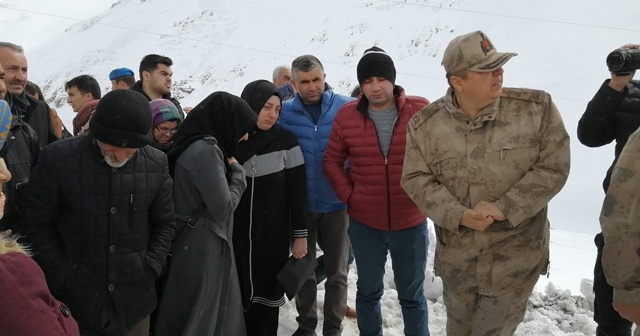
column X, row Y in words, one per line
column 253, row 187
column 386, row 162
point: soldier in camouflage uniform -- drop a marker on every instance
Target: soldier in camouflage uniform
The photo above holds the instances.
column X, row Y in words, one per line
column 483, row 162
column 619, row 221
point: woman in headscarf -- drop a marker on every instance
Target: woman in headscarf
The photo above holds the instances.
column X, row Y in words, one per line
column 202, row 295
column 166, row 120
column 271, row 212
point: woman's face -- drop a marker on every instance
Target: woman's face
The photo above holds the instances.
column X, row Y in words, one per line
column 269, row 113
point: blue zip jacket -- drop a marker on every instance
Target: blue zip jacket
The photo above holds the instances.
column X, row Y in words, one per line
column 313, row 141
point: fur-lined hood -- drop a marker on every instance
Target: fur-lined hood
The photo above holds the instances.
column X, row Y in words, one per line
column 10, row 245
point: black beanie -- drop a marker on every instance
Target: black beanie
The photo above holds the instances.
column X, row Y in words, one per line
column 376, row 63
column 122, row 119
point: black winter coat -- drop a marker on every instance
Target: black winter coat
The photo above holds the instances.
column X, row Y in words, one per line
column 99, row 232
column 611, row 115
column 137, row 86
column 271, row 213
column 21, row 155
column 36, row 113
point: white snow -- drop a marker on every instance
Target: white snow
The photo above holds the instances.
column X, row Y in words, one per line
column 224, row 44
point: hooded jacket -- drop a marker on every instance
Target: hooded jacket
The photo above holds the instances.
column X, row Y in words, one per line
column 28, row 308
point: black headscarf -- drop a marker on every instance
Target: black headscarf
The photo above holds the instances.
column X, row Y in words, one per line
column 256, row 94
column 221, row 115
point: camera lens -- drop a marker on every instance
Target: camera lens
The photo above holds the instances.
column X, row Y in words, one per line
column 615, row 61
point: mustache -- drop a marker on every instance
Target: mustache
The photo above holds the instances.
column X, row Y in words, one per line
column 17, row 82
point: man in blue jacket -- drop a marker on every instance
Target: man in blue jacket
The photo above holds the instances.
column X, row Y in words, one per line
column 309, row 116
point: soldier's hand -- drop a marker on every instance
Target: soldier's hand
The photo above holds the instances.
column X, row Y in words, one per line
column 630, row 312
column 490, row 209
column 6, row 233
column 475, row 220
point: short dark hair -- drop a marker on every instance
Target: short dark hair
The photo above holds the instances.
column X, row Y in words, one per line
column 305, row 63
column 33, row 89
column 129, row 80
column 356, row 91
column 151, row 61
column 85, row 84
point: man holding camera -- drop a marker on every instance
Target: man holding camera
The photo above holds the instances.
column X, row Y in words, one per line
column 612, row 114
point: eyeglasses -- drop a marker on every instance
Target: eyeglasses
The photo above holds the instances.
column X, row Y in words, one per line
column 166, row 130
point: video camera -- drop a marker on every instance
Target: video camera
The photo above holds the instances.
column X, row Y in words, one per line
column 623, row 61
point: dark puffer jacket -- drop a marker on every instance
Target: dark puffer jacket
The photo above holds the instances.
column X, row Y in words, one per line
column 137, row 86
column 371, row 187
column 99, row 232
column 611, row 115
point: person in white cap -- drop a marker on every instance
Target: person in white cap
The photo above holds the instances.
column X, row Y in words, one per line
column 483, row 162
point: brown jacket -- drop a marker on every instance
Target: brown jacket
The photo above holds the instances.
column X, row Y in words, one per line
column 515, row 154
column 620, row 222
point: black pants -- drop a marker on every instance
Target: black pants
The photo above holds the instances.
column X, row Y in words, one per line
column 610, row 323
column 109, row 321
column 261, row 320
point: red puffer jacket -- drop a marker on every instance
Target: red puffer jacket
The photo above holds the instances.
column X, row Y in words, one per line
column 370, row 185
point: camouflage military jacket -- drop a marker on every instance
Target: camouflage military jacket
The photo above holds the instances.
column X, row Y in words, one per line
column 515, row 153
column 620, row 221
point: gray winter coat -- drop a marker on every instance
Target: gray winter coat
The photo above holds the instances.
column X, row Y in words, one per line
column 202, row 295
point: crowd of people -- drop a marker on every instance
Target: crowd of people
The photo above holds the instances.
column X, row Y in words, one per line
column 151, row 219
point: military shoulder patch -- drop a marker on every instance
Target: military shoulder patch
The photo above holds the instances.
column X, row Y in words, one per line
column 426, row 112
column 537, row 96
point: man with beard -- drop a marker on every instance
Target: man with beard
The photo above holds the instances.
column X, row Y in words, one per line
column 100, row 218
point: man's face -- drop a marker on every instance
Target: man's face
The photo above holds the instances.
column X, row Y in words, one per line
column 159, row 81
column 283, row 77
column 164, row 132
column 482, row 87
column 3, row 87
column 119, row 85
column 379, row 93
column 310, row 85
column 77, row 99
column 269, row 113
column 115, row 156
column 15, row 68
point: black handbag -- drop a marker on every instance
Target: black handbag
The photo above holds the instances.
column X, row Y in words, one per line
column 294, row 274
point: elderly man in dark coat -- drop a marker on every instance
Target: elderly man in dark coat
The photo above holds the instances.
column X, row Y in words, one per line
column 100, row 218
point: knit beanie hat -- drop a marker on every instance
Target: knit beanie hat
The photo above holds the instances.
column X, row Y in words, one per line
column 164, row 110
column 376, row 63
column 122, row 119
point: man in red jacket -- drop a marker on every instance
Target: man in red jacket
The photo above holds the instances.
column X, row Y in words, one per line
column 370, row 134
